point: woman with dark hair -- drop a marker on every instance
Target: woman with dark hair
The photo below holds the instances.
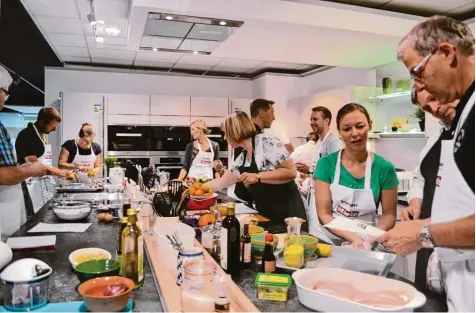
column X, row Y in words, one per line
column 266, row 170
column 82, row 153
column 352, row 182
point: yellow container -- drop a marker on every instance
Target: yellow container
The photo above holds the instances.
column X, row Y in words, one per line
column 273, row 286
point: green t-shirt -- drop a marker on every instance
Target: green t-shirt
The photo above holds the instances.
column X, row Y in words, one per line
column 383, row 177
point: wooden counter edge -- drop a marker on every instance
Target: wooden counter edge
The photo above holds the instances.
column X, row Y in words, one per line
column 169, row 292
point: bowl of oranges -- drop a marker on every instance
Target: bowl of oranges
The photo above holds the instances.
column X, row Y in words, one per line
column 198, row 191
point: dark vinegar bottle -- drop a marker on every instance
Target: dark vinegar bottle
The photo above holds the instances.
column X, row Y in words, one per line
column 230, row 242
column 268, row 263
column 245, row 254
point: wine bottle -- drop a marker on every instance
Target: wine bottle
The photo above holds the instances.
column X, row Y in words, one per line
column 268, row 262
column 245, row 254
column 123, row 225
column 133, row 250
column 230, row 242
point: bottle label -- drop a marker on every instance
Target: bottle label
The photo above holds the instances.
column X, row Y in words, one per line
column 269, row 266
column 224, row 248
column 140, row 252
column 247, row 252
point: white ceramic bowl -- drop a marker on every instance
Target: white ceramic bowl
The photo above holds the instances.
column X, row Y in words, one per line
column 321, row 302
column 72, row 214
column 87, row 251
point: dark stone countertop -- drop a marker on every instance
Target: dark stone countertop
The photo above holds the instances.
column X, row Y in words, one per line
column 63, row 281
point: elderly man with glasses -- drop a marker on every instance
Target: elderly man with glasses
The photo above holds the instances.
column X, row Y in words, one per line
column 439, row 53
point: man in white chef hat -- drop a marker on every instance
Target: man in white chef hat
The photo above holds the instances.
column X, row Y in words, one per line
column 12, row 203
column 439, row 53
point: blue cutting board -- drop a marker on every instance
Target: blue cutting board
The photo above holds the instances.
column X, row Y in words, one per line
column 76, row 306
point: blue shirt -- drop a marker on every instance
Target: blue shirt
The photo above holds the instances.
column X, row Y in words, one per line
column 7, row 154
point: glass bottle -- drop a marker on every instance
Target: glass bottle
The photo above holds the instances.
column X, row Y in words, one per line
column 293, row 245
column 268, row 261
column 230, row 242
column 133, row 250
column 221, row 287
column 197, row 292
column 245, row 245
column 123, row 225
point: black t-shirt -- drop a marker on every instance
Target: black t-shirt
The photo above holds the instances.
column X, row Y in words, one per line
column 464, row 146
column 28, row 144
column 70, row 145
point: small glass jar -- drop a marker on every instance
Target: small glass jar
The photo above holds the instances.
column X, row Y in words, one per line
column 197, row 287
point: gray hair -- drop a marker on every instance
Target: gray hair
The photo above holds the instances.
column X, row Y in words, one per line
column 5, row 78
column 426, row 35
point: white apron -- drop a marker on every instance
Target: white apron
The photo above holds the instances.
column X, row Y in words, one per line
column 84, row 160
column 351, row 203
column 312, row 218
column 40, row 197
column 12, row 209
column 202, row 164
column 454, row 200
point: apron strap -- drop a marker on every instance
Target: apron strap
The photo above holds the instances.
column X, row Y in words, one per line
column 368, row 170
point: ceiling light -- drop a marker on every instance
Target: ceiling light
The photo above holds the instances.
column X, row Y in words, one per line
column 113, row 31
column 99, row 39
column 155, row 49
column 195, row 52
column 222, row 23
column 169, row 17
column 100, row 21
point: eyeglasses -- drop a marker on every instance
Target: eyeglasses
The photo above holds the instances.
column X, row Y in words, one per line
column 416, row 72
column 7, row 94
column 414, row 96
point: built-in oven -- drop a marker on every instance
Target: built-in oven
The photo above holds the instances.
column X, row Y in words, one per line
column 169, row 161
column 127, row 138
column 169, row 138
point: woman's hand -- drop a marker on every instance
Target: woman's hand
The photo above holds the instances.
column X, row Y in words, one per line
column 249, row 178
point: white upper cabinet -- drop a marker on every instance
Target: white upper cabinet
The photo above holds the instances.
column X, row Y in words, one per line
column 241, row 105
column 170, row 105
column 211, row 121
column 128, row 119
column 203, row 106
column 128, row 104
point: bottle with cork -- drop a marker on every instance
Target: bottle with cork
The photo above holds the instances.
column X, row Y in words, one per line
column 133, row 250
column 268, row 262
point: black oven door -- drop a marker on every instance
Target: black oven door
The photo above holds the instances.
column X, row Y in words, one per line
column 169, row 138
column 128, row 138
column 219, row 137
column 168, row 162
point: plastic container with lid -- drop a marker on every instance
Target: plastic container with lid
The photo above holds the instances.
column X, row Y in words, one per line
column 272, row 286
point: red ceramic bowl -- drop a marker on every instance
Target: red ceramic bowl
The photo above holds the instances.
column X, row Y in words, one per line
column 201, row 204
column 93, row 294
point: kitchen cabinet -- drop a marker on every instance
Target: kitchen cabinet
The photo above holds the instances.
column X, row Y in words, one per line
column 241, row 105
column 125, row 119
column 160, row 120
column 204, row 106
column 169, row 105
column 211, row 121
column 128, row 104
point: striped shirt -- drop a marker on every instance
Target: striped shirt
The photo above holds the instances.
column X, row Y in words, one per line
column 7, row 154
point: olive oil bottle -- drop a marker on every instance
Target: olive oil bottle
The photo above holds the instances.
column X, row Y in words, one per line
column 133, row 250
column 122, row 226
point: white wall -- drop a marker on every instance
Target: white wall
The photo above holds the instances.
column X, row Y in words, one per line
column 57, row 80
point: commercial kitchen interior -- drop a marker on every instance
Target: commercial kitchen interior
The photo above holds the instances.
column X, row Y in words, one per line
column 151, row 67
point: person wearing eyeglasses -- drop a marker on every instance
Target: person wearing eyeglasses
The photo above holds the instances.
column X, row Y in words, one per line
column 439, row 53
column 82, row 154
column 12, row 202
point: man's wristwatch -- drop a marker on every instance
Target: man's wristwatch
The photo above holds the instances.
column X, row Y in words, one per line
column 259, row 178
column 425, row 238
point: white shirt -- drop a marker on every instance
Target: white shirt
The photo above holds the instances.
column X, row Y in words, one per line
column 418, row 181
column 305, row 153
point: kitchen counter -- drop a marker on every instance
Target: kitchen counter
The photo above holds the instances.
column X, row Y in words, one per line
column 63, row 281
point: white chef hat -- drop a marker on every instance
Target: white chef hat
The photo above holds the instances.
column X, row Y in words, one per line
column 5, row 78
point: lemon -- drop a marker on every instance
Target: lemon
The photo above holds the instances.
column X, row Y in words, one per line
column 323, row 250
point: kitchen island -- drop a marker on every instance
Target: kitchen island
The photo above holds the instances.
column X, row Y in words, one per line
column 63, row 281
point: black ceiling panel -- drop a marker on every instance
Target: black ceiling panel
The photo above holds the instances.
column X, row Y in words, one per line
column 24, row 50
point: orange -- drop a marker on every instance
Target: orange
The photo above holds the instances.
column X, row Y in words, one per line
column 199, row 193
column 205, row 220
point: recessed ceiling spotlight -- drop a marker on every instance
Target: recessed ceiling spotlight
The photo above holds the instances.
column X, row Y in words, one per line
column 113, row 31
column 155, row 49
column 99, row 39
column 169, row 17
column 222, row 23
column 100, row 21
column 195, row 52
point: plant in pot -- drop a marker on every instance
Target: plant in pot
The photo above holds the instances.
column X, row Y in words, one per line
column 419, row 114
column 110, row 162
